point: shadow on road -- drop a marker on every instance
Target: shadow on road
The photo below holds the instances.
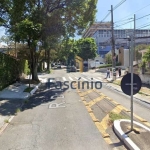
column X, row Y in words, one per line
column 42, row 96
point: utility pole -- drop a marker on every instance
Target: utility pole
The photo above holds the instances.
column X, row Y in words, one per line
column 134, row 37
column 132, row 57
column 129, row 54
column 113, row 46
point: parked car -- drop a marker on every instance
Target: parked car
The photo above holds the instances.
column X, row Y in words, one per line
column 58, row 65
column 73, row 69
column 53, row 65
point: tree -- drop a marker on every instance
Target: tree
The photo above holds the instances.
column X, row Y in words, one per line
column 4, row 10
column 29, row 32
column 87, row 48
column 138, row 48
column 36, row 20
column 146, row 57
column 108, row 58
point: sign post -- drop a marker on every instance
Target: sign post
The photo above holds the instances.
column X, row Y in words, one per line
column 114, row 72
column 131, row 84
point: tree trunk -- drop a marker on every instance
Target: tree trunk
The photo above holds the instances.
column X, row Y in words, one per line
column 48, row 60
column 34, row 73
column 15, row 50
column 34, row 65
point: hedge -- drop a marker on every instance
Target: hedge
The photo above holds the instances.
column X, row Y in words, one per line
column 10, row 69
column 109, row 65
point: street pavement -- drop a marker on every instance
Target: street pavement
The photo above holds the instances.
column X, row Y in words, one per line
column 53, row 119
column 141, row 103
column 58, row 120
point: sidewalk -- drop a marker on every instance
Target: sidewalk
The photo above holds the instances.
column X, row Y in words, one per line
column 144, row 93
column 11, row 100
column 15, row 91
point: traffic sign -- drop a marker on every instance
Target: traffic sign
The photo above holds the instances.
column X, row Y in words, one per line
column 114, row 71
column 126, row 84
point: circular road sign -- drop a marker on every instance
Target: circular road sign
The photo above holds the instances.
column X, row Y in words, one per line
column 114, row 70
column 126, row 84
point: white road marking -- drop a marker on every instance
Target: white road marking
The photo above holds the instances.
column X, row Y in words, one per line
column 100, row 78
column 70, row 78
column 64, row 78
column 57, row 96
column 84, row 79
column 55, row 105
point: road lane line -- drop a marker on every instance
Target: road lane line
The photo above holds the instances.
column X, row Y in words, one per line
column 64, row 78
column 84, row 79
column 70, row 78
column 94, row 101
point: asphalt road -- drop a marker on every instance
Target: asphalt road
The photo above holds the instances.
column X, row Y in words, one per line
column 53, row 120
column 141, row 107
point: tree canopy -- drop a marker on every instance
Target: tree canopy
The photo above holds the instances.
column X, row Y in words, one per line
column 31, row 21
column 87, row 48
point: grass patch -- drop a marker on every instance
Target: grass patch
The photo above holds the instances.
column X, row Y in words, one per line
column 49, row 71
column 28, row 89
column 6, row 121
column 114, row 116
column 140, row 92
column 117, row 82
column 18, row 110
column 26, row 101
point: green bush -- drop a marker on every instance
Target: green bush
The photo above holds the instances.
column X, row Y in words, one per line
column 105, row 66
column 118, row 64
column 110, row 65
column 10, row 69
column 24, row 67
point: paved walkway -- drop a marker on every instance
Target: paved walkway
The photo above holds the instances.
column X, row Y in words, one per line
column 11, row 99
column 15, row 91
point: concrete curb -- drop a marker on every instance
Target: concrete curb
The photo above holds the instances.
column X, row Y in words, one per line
column 145, row 93
column 127, row 141
column 10, row 119
column 5, row 125
column 34, row 90
column 135, row 96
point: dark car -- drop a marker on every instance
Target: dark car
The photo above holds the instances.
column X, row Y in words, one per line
column 73, row 69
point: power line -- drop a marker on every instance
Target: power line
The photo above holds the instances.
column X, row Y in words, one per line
column 124, row 20
column 143, row 17
column 136, row 11
column 114, row 9
column 125, row 23
column 136, row 19
column 119, row 4
column 144, row 26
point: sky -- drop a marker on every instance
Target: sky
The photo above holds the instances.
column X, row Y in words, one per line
column 122, row 14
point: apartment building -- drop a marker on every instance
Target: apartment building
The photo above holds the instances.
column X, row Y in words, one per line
column 102, row 34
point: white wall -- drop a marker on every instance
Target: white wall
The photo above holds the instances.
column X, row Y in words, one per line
column 145, row 78
column 91, row 63
column 126, row 58
column 99, row 58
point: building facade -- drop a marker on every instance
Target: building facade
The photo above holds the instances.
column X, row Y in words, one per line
column 102, row 34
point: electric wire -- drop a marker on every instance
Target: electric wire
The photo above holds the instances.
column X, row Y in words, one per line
column 135, row 12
